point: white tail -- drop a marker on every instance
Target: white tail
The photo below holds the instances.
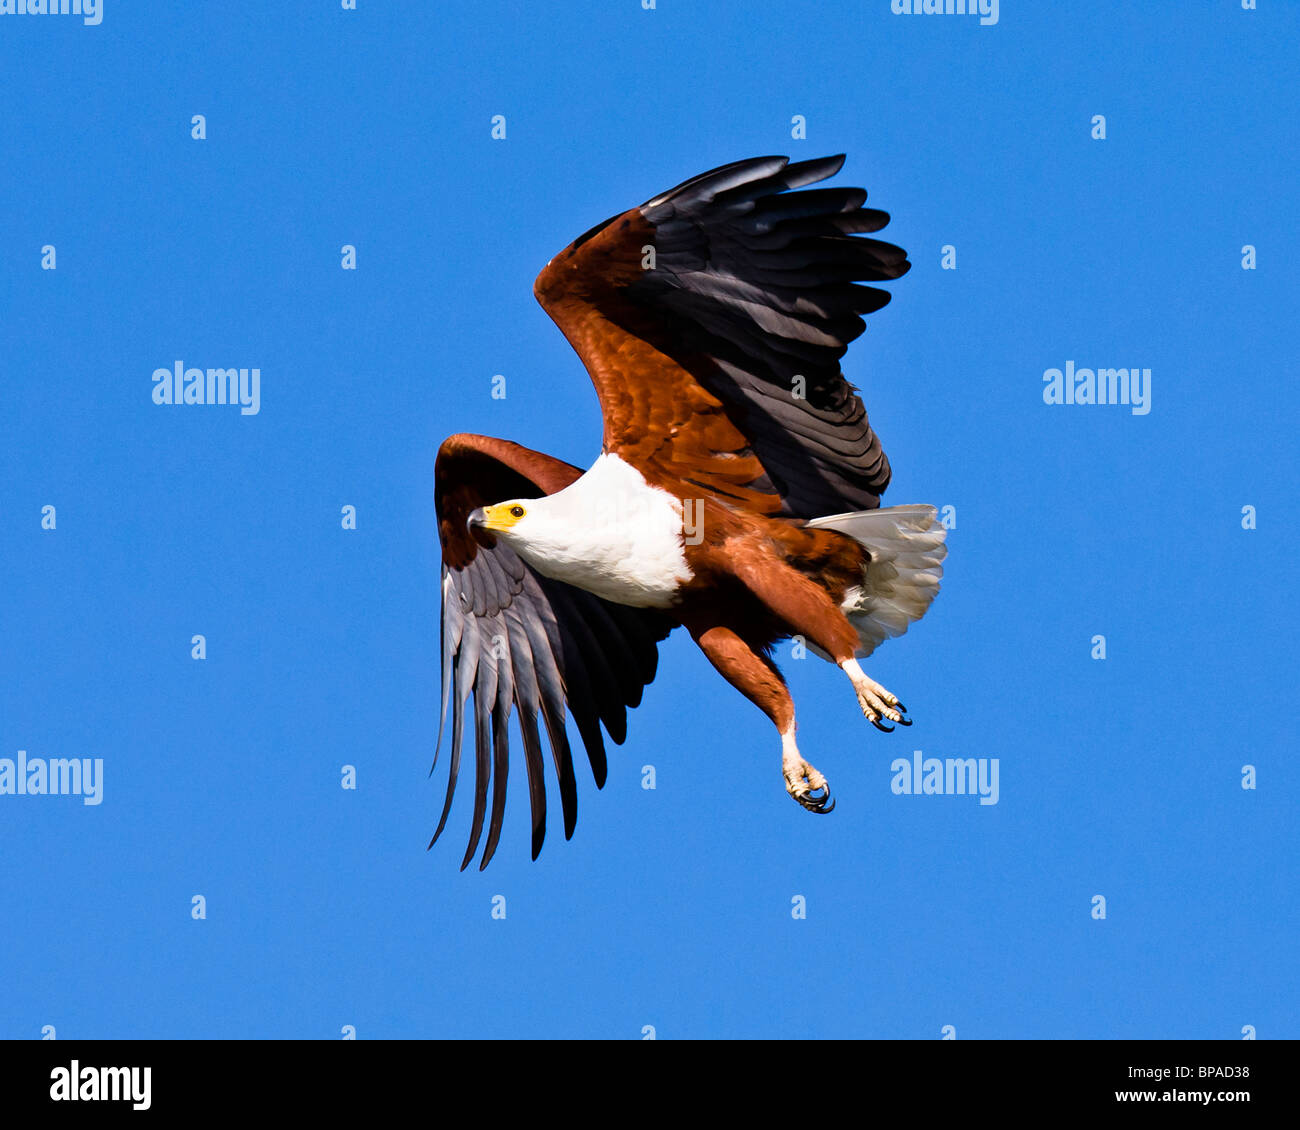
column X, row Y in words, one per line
column 901, row 579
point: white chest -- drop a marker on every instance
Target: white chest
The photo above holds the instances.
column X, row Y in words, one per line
column 610, row 533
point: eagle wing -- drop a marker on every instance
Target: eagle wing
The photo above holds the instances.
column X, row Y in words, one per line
column 511, row 637
column 712, row 320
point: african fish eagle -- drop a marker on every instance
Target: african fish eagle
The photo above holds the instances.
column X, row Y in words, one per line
column 737, row 492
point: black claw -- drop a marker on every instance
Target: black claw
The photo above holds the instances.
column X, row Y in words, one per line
column 900, row 707
column 879, row 725
column 818, row 804
column 904, row 721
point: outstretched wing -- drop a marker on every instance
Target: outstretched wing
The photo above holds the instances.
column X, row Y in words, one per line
column 511, row 637
column 712, row 320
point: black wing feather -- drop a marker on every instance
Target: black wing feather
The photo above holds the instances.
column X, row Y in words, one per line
column 766, row 282
column 516, row 642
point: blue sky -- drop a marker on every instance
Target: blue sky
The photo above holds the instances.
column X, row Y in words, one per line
column 670, row 908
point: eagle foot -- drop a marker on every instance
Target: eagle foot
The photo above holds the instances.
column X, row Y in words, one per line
column 807, row 786
column 878, row 703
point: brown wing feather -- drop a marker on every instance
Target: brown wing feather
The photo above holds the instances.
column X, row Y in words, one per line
column 712, row 320
column 473, row 471
column 658, row 415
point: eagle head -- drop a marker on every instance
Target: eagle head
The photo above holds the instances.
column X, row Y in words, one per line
column 499, row 519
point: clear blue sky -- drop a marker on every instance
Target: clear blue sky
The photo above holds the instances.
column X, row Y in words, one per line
column 672, row 907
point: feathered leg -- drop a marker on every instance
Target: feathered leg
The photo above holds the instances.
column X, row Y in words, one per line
column 757, row 678
column 809, row 610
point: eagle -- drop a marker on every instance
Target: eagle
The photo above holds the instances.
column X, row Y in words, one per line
column 736, row 494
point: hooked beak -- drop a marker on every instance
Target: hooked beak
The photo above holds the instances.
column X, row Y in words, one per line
column 476, row 518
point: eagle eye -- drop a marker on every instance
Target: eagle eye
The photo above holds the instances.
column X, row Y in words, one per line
column 516, row 511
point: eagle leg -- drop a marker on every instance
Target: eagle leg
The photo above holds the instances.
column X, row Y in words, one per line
column 809, row 610
column 754, row 674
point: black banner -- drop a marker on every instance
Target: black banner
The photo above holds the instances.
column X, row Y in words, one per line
column 148, row 1078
